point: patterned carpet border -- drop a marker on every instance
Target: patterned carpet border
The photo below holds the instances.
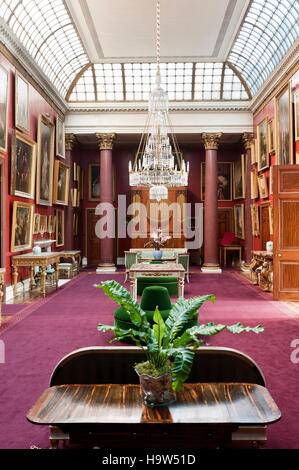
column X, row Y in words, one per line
column 13, row 320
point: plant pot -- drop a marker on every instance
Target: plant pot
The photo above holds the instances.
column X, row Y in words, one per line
column 157, row 390
column 157, row 254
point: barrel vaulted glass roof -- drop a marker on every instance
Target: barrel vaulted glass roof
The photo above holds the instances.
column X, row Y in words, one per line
column 46, row 30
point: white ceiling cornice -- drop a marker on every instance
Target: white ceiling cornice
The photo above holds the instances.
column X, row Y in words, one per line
column 21, row 55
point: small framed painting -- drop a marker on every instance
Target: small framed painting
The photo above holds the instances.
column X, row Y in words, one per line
column 35, row 224
column 51, row 223
column 21, row 103
column 263, row 188
column 22, row 226
column 45, row 160
column 94, row 182
column 4, row 90
column 254, row 183
column 284, row 126
column 271, row 136
column 255, row 220
column 43, row 224
column 59, row 227
column 239, row 178
column 239, row 220
column 60, row 138
column 262, row 145
column 23, row 165
column 61, row 183
column 253, row 151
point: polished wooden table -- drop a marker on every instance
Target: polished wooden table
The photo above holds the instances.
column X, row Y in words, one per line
column 149, row 270
column 30, row 260
column 203, row 415
column 2, row 283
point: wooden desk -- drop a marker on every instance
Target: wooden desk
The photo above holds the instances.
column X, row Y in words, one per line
column 223, row 249
column 148, row 270
column 29, row 259
column 73, row 255
column 2, row 283
column 204, row 415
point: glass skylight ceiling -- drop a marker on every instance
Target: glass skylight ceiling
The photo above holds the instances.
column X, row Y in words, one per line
column 183, row 81
column 47, row 32
column 268, row 31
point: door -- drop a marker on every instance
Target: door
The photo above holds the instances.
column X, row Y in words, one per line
column 264, row 225
column 286, row 233
column 92, row 241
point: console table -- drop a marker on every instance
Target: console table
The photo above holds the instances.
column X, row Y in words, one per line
column 164, row 269
column 30, row 260
column 2, row 283
column 261, row 269
column 73, row 255
column 204, row 414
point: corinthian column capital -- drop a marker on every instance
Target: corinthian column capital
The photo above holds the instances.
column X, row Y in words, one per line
column 105, row 141
column 247, row 138
column 70, row 141
column 211, row 140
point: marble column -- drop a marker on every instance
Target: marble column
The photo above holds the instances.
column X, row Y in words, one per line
column 211, row 249
column 70, row 143
column 105, row 143
column 247, row 138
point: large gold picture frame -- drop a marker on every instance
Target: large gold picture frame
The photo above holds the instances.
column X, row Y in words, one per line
column 255, row 221
column 23, row 165
column 239, row 221
column 284, row 126
column 262, row 145
column 21, row 103
column 239, row 177
column 59, row 227
column 60, row 138
column 22, row 226
column 254, row 183
column 4, row 91
column 61, row 183
column 45, row 160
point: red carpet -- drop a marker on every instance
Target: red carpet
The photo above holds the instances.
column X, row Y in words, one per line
column 43, row 332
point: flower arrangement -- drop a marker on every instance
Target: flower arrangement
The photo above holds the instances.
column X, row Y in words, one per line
column 158, row 239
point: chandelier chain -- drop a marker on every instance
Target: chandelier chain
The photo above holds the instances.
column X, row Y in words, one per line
column 158, row 35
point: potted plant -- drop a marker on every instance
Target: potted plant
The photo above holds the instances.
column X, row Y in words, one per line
column 169, row 348
column 158, row 240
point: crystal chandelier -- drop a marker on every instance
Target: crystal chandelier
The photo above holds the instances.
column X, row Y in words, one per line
column 158, row 163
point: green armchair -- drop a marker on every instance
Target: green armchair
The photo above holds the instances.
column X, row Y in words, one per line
column 130, row 259
column 183, row 259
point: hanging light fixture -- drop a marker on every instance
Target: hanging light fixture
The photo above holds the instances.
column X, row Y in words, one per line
column 158, row 163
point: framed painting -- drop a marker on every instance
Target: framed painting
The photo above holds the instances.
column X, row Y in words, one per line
column 60, row 138
column 43, row 224
column 271, row 180
column 254, row 183
column 253, row 151
column 239, row 220
column 21, row 103
column 284, row 126
column 35, row 224
column 224, row 181
column 23, row 165
column 51, row 223
column 94, row 182
column 61, row 183
column 4, row 89
column 262, row 145
column 45, row 159
column 22, row 226
column 239, row 178
column 255, row 222
column 263, row 187
column 59, row 227
column 271, row 220
column 271, row 136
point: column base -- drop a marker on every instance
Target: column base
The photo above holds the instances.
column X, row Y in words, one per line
column 105, row 268
column 211, row 269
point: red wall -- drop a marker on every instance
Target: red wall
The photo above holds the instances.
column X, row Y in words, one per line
column 37, row 105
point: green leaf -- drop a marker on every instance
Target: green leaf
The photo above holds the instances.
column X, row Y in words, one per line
column 239, row 328
column 159, row 328
column 209, row 329
column 183, row 360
